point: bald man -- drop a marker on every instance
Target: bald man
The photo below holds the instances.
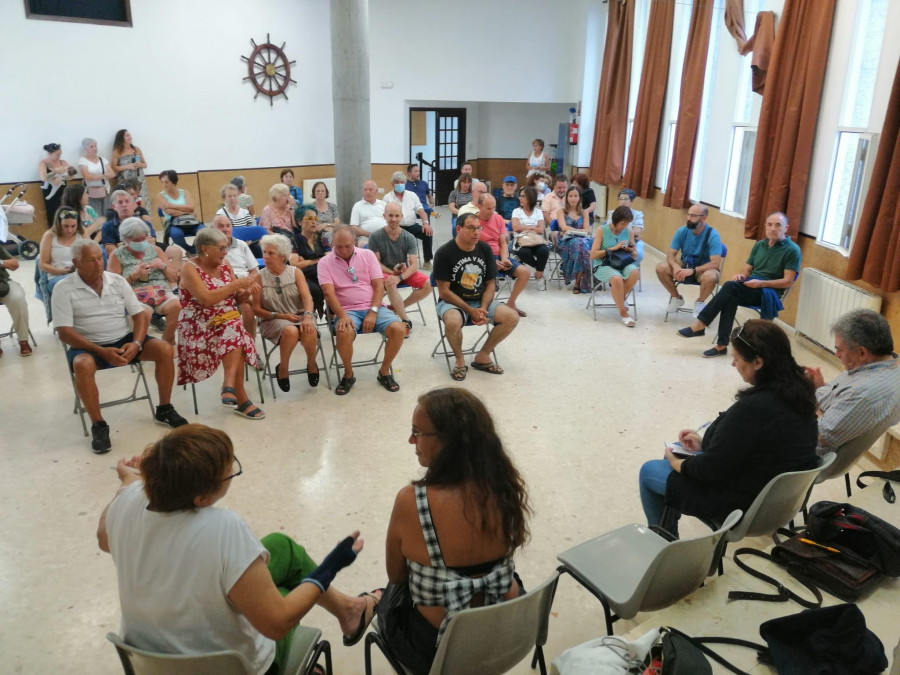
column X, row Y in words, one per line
column 773, row 263
column 367, row 214
column 494, row 234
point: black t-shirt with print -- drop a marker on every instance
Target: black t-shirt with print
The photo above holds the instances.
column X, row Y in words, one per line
column 467, row 271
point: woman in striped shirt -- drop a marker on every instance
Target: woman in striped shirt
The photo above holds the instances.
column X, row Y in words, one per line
column 237, row 215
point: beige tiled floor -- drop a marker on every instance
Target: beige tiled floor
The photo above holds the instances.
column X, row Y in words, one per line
column 582, row 405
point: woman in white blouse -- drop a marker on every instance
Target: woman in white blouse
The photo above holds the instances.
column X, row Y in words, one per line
column 96, row 171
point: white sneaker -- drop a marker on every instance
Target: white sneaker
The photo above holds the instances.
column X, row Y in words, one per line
column 698, row 307
column 675, row 304
column 542, row 284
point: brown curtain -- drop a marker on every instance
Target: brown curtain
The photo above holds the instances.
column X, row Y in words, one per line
column 790, row 110
column 643, row 152
column 678, row 185
column 876, row 250
column 734, row 22
column 760, row 43
column 608, row 153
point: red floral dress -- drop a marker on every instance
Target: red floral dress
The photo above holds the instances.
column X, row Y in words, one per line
column 200, row 346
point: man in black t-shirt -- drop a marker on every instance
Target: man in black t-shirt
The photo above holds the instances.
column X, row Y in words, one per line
column 465, row 273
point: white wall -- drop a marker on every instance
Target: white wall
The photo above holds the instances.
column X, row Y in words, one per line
column 174, row 80
column 507, row 129
column 470, row 51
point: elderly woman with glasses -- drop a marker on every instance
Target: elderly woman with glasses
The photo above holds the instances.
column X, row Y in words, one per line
column 194, row 579
column 278, row 212
column 770, row 429
column 147, row 268
column 210, row 330
column 285, row 308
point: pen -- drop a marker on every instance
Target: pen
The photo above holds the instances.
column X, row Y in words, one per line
column 704, row 425
column 810, row 542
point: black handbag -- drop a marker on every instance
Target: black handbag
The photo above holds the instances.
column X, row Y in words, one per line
column 685, row 655
column 619, row 259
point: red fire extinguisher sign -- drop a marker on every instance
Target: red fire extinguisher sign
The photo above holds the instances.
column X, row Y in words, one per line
column 573, row 133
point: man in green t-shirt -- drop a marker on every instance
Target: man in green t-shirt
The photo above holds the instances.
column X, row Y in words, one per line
column 774, row 263
column 12, row 296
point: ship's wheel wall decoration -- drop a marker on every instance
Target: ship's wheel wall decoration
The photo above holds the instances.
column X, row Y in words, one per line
column 268, row 69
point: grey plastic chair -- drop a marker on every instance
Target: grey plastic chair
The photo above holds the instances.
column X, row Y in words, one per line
column 487, row 640
column 306, row 649
column 849, row 453
column 633, row 569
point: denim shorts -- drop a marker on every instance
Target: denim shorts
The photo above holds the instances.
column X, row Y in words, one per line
column 443, row 307
column 384, row 319
column 101, row 364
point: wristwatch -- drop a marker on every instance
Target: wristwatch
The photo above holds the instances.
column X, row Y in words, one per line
column 374, row 308
column 140, row 345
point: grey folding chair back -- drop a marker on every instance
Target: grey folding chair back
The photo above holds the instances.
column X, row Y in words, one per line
column 849, row 453
column 633, row 569
column 778, row 502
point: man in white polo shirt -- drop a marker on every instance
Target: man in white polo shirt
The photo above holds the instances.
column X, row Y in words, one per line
column 90, row 310
column 367, row 214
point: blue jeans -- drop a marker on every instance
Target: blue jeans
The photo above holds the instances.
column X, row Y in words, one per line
column 177, row 234
column 652, row 482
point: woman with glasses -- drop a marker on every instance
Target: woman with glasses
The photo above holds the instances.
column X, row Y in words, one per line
column 462, row 522
column 769, row 430
column 75, row 198
column 194, row 579
column 210, row 330
column 56, row 247
column 149, row 272
column 285, row 308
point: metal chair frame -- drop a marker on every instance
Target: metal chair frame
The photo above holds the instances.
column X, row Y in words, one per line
column 272, row 374
column 335, row 361
column 443, row 346
column 689, row 310
column 593, row 305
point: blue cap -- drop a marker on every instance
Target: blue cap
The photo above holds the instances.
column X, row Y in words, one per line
column 510, row 179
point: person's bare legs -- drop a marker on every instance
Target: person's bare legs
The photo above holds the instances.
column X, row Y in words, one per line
column 310, row 343
column 162, row 355
column 617, row 288
column 522, row 275
column 394, row 297
column 664, row 274
column 248, row 318
column 345, row 350
column 417, row 295
column 176, row 258
column 453, row 323
column 234, row 378
column 347, row 609
column 708, row 281
column 290, row 336
column 395, row 334
column 85, row 368
column 505, row 320
column 170, row 310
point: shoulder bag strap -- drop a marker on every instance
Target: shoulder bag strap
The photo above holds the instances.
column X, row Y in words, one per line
column 887, row 475
column 700, row 643
column 783, row 594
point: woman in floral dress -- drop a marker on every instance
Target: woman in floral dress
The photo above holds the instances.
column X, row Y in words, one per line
column 210, row 329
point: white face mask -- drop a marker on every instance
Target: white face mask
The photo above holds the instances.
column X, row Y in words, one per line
column 541, row 185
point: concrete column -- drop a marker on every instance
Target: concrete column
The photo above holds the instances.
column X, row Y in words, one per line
column 350, row 92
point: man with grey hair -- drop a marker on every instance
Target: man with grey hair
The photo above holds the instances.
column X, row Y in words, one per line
column 123, row 206
column 414, row 219
column 866, row 396
column 770, row 270
column 367, row 214
column 90, row 312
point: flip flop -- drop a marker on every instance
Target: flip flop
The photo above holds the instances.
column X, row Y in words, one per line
column 519, row 311
column 365, row 619
column 459, row 373
column 244, row 411
column 345, row 386
column 388, row 382
column 491, row 368
column 229, row 397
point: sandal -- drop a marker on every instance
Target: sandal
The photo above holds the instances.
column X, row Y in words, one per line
column 576, row 291
column 312, row 377
column 408, row 327
column 24, row 348
column 229, row 397
column 459, row 373
column 388, row 382
column 345, row 386
column 628, row 321
column 491, row 368
column 365, row 619
column 244, row 411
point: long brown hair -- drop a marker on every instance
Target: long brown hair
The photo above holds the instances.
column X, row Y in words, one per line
column 68, row 212
column 473, row 457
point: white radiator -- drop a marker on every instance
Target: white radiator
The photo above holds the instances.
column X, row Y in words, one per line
column 308, row 189
column 824, row 298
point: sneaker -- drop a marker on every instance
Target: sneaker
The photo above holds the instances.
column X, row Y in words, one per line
column 542, row 284
column 426, row 265
column 100, row 438
column 712, row 353
column 159, row 323
column 698, row 307
column 166, row 415
column 675, row 304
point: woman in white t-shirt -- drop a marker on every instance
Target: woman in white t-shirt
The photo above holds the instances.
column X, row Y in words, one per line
column 194, row 579
column 96, row 171
column 528, row 226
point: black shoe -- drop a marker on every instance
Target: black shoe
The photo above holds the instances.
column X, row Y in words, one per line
column 100, row 438
column 165, row 414
column 159, row 323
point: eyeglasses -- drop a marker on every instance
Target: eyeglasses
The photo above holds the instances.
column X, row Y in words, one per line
column 352, row 273
column 736, row 335
column 278, row 286
column 473, row 228
column 239, row 471
column 421, row 434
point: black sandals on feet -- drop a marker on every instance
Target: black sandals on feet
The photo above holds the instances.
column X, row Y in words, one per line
column 345, row 386
column 365, row 619
column 491, row 368
column 229, row 397
column 388, row 382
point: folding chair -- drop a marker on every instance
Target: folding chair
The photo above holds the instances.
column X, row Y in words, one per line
column 689, row 310
column 444, row 346
column 250, row 234
column 336, row 362
column 262, row 398
column 554, row 262
column 486, row 640
column 758, row 309
column 12, row 332
column 136, row 367
column 418, row 307
column 593, row 305
column 272, row 374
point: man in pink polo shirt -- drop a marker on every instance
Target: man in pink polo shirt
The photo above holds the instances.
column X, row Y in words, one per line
column 353, row 284
column 494, row 234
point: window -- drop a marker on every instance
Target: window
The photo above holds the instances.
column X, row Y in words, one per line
column 639, row 41
column 854, row 143
column 718, row 20
column 681, row 24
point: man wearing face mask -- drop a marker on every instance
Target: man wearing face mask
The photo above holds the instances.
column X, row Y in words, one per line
column 412, row 209
column 701, row 257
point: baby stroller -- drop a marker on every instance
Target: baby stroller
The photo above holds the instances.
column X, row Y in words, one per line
column 9, row 215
